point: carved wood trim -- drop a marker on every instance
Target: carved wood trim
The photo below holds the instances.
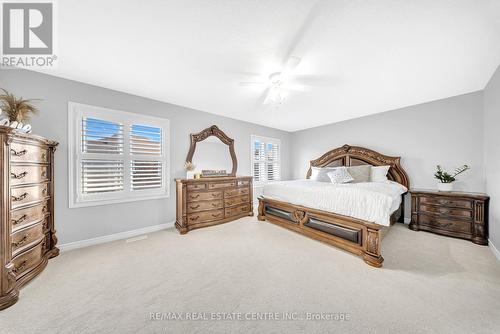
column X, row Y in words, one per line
column 213, row 131
column 346, row 153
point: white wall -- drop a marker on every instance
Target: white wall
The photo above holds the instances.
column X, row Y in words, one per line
column 85, row 223
column 446, row 132
column 492, row 153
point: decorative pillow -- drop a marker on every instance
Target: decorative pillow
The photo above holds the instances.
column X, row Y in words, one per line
column 379, row 173
column 340, row 175
column 319, row 173
column 360, row 173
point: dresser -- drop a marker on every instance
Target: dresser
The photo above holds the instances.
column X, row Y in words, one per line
column 457, row 214
column 28, row 237
column 211, row 201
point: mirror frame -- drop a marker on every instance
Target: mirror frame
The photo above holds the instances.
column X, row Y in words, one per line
column 213, row 131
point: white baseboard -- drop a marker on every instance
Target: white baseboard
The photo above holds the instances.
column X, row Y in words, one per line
column 113, row 237
column 494, row 249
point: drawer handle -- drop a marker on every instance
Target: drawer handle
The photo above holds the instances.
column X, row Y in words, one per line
column 18, row 154
column 194, row 206
column 44, row 191
column 194, row 218
column 20, row 220
column 215, row 204
column 20, row 197
column 20, row 267
column 215, row 194
column 444, row 211
column 215, row 215
column 194, row 197
column 22, row 241
column 19, row 176
column 44, row 156
column 44, row 173
column 44, row 209
column 229, row 203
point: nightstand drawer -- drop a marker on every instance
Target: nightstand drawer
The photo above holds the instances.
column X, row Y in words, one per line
column 446, row 211
column 445, row 224
column 447, row 201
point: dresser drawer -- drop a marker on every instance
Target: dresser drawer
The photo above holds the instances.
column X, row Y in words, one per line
column 197, row 186
column 205, row 216
column 221, row 185
column 445, row 224
column 24, row 237
column 25, row 195
column 203, row 206
column 447, row 201
column 449, row 211
column 243, row 183
column 27, row 260
column 203, row 196
column 236, row 192
column 22, row 217
column 237, row 210
column 27, row 152
column 236, row 200
column 28, row 174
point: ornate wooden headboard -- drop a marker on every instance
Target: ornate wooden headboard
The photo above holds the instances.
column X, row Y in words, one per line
column 355, row 156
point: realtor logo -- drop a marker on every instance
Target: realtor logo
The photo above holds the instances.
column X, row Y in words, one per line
column 27, row 34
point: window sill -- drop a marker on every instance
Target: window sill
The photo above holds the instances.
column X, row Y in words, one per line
column 101, row 202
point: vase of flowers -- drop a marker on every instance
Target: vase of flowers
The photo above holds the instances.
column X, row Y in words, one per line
column 17, row 111
column 446, row 179
column 189, row 167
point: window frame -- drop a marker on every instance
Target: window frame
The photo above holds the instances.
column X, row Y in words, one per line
column 265, row 140
column 78, row 111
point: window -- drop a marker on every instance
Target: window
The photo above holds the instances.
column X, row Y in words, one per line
column 266, row 161
column 116, row 156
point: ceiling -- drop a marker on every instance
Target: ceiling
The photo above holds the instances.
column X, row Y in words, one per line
column 361, row 57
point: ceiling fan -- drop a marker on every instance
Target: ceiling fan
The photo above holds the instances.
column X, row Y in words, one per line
column 278, row 83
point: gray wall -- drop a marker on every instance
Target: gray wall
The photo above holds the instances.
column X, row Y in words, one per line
column 91, row 222
column 492, row 153
column 447, row 132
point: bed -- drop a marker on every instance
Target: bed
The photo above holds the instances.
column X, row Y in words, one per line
column 353, row 217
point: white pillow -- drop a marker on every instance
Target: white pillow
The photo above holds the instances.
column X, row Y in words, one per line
column 379, row 173
column 340, row 175
column 360, row 173
column 319, row 173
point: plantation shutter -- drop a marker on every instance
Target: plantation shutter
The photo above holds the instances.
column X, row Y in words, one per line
column 266, row 165
column 146, row 143
column 273, row 164
column 259, row 164
column 116, row 156
column 102, row 163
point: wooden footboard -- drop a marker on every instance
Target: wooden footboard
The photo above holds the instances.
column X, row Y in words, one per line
column 353, row 235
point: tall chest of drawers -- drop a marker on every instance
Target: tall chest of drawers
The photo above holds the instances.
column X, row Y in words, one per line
column 457, row 214
column 211, row 201
column 28, row 236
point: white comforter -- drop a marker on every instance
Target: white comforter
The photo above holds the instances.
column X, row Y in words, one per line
column 371, row 201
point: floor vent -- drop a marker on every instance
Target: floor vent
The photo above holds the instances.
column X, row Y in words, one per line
column 141, row 237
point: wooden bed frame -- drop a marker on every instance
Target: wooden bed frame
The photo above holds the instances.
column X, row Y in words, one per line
column 357, row 236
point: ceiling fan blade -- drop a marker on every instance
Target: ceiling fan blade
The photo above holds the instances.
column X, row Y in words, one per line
column 314, row 80
column 275, row 96
column 291, row 63
column 252, row 83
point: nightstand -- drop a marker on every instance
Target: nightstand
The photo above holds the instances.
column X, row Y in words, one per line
column 456, row 214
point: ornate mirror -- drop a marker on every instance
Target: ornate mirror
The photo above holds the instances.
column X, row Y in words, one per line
column 213, row 148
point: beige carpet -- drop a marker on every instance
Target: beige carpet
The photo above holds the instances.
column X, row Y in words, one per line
column 429, row 284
